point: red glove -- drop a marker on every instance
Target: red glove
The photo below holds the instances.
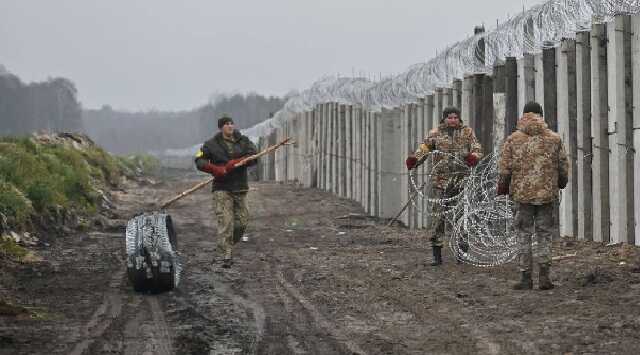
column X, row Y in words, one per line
column 411, row 162
column 502, row 189
column 471, row 160
column 231, row 164
column 216, row 170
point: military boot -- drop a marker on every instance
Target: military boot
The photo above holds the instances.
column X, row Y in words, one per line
column 544, row 282
column 526, row 283
column 437, row 256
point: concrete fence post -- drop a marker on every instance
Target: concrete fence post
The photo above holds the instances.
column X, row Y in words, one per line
column 366, row 197
column 429, row 109
column 358, row 154
column 403, row 116
column 487, row 113
column 420, row 133
column 567, row 120
column 415, row 126
column 599, row 130
column 538, row 73
column 550, row 105
column 499, row 107
column 438, row 106
column 456, row 93
column 337, row 148
column 342, row 151
column 550, row 101
column 349, row 152
column 620, row 129
column 583, row 139
column 467, row 102
column 526, row 81
column 375, row 176
column 447, row 97
column 389, row 145
column 635, row 70
column 477, row 96
column 511, row 95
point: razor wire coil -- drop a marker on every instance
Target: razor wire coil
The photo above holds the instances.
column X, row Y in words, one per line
column 478, row 222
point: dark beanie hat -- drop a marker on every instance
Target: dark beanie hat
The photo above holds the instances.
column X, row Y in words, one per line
column 449, row 110
column 224, row 120
column 533, row 107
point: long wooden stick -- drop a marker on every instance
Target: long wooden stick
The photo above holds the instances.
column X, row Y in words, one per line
column 187, row 192
column 264, row 152
column 208, row 181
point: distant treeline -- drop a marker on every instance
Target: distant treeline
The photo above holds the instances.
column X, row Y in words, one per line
column 135, row 132
column 52, row 106
column 49, row 106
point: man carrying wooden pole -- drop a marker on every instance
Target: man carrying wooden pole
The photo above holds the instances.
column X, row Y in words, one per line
column 223, row 156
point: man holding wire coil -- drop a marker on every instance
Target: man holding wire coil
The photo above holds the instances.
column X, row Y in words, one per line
column 454, row 148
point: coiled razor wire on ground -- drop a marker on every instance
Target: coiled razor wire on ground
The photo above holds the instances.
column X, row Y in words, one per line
column 478, row 223
column 539, row 27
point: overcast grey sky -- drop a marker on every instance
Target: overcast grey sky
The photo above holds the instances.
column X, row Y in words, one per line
column 143, row 54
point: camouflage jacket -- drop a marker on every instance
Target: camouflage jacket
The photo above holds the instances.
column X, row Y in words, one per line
column 457, row 141
column 533, row 162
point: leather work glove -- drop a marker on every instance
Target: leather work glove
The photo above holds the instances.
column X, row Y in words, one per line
column 217, row 171
column 562, row 182
column 471, row 160
column 231, row 164
column 411, row 162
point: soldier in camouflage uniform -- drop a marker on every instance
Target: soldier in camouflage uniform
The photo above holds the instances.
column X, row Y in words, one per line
column 533, row 167
column 456, row 141
column 221, row 156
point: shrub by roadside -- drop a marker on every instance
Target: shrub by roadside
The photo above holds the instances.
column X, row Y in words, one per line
column 51, row 181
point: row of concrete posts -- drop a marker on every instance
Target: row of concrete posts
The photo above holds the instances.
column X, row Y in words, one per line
column 590, row 90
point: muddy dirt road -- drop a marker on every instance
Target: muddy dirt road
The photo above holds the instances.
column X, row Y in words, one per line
column 308, row 283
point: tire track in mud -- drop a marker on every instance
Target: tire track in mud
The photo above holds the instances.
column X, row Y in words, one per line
column 457, row 317
column 293, row 343
column 257, row 311
column 293, row 323
column 133, row 328
column 336, row 332
column 161, row 336
column 485, row 343
column 105, row 314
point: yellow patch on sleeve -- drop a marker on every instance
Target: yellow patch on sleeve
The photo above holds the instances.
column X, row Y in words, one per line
column 199, row 154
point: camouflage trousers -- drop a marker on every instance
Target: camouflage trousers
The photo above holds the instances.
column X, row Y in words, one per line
column 532, row 219
column 439, row 222
column 232, row 218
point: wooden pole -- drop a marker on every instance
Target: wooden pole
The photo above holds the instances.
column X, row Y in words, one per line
column 206, row 182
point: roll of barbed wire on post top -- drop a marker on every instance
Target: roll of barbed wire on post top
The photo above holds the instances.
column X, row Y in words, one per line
column 478, row 223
